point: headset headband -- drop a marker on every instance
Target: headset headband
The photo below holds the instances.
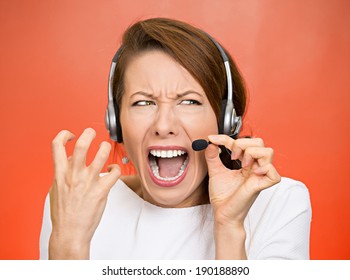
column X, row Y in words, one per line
column 231, row 123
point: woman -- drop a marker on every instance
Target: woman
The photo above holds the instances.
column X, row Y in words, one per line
column 169, row 88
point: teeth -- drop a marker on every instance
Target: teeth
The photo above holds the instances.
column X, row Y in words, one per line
column 167, row 154
column 155, row 170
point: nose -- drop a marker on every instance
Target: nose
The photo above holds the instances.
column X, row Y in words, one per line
column 166, row 123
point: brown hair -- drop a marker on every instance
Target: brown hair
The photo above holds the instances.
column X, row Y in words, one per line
column 191, row 48
column 194, row 50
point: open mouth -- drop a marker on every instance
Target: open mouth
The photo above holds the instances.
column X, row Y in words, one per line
column 167, row 165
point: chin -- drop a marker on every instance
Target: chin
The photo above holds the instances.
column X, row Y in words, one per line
column 186, row 193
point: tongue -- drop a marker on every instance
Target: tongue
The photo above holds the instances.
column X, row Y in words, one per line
column 170, row 167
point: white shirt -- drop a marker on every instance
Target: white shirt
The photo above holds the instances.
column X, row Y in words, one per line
column 277, row 227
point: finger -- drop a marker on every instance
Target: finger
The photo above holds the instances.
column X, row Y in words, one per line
column 81, row 148
column 113, row 175
column 214, row 163
column 221, row 139
column 240, row 145
column 261, row 155
column 272, row 177
column 59, row 153
column 101, row 157
column 236, row 146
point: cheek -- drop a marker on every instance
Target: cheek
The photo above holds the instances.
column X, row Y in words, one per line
column 133, row 135
column 209, row 124
column 200, row 125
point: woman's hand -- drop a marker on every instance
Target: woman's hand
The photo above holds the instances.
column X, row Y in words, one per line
column 232, row 192
column 78, row 195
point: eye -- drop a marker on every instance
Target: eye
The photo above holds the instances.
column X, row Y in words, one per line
column 143, row 103
column 190, row 102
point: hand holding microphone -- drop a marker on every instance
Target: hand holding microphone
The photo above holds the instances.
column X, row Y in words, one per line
column 232, row 192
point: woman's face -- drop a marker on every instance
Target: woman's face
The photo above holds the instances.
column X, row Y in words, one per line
column 163, row 110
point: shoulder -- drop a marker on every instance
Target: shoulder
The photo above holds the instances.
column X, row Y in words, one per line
column 290, row 197
column 125, row 184
column 291, row 183
column 286, row 188
column 122, row 198
column 278, row 223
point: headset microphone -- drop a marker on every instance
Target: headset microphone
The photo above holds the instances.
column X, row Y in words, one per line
column 200, row 144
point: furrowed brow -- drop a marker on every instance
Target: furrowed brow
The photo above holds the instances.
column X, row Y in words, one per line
column 178, row 95
column 146, row 94
column 188, row 92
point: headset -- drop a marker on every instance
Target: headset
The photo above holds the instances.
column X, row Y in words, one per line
column 229, row 124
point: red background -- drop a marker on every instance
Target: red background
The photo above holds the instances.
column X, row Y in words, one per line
column 294, row 55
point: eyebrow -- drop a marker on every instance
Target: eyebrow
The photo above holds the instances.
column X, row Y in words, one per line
column 150, row 95
column 188, row 92
column 178, row 95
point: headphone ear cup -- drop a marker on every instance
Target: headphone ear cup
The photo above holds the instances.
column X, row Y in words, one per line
column 222, row 116
column 227, row 118
column 229, row 123
column 118, row 129
column 112, row 123
column 112, row 113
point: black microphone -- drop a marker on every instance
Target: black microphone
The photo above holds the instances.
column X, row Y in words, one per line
column 200, row 144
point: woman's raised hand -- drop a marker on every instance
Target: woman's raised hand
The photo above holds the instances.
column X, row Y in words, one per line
column 232, row 192
column 78, row 195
